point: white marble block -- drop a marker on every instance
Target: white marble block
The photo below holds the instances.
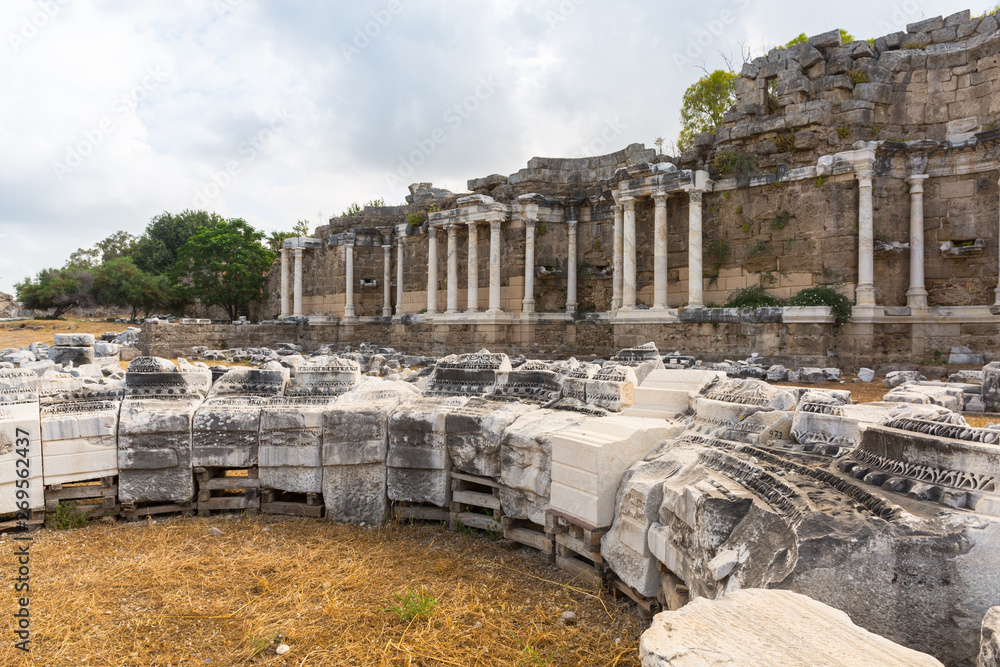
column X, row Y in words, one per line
column 588, row 461
column 21, row 484
column 418, row 465
column 667, row 393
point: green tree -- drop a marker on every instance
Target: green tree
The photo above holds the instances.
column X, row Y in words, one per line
column 226, row 265
column 60, row 289
column 156, row 250
column 277, row 239
column 121, row 283
column 119, row 244
column 704, row 104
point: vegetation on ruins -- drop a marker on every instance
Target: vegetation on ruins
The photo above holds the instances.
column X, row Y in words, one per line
column 732, row 162
column 226, row 265
column 277, row 239
column 416, row 219
column 845, row 37
column 357, row 209
column 755, row 296
column 824, row 296
column 704, row 104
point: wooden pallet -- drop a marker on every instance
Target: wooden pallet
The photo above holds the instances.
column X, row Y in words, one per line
column 273, row 501
column 93, row 498
column 475, row 502
column 404, row 511
column 138, row 511
column 647, row 607
column 530, row 534
column 14, row 524
column 673, row 593
column 227, row 489
column 578, row 547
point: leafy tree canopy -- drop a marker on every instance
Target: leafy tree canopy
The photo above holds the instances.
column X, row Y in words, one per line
column 119, row 244
column 226, row 265
column 704, row 104
column 60, row 289
column 156, row 251
column 121, row 283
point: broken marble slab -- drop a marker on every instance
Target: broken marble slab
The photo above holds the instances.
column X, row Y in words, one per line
column 21, row 484
column 952, row 398
column 668, row 393
column 612, row 388
column 226, row 427
column 526, row 462
column 355, row 446
column 474, row 431
column 989, row 645
column 574, row 377
column 768, row 628
column 588, row 461
column 154, row 431
column 79, row 421
column 418, row 464
column 533, row 383
column 643, row 359
column 475, row 374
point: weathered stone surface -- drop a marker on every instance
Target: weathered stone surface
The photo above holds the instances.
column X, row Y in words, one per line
column 418, row 465
column 989, row 649
column 71, row 355
column 768, row 628
column 79, row 422
column 526, row 462
column 355, row 445
column 474, row 433
column 991, row 386
column 866, row 375
column 668, row 393
column 73, row 340
column 20, row 440
column 154, row 431
column 952, row 398
column 612, row 388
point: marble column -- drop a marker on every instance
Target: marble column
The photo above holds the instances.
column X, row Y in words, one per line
column 386, row 281
column 628, row 256
column 495, row 227
column 285, row 308
column 528, row 302
column 571, row 259
column 865, row 293
column 432, row 270
column 916, row 296
column 399, row 274
column 297, row 289
column 616, row 259
column 660, row 252
column 472, row 285
column 695, row 272
column 349, row 275
column 453, row 268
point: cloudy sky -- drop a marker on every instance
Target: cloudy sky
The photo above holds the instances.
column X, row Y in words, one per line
column 113, row 111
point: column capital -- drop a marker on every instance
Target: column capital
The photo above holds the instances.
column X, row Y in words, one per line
column 471, row 223
column 452, row 228
column 571, row 224
column 495, row 225
column 629, row 204
column 695, row 195
column 864, row 173
column 529, row 223
column 297, row 251
column 916, row 182
column 660, row 198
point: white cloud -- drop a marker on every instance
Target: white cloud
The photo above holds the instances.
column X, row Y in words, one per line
column 565, row 71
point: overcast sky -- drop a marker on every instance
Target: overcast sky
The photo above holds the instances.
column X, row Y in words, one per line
column 113, row 111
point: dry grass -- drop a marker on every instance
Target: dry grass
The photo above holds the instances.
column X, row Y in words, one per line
column 171, row 593
column 26, row 332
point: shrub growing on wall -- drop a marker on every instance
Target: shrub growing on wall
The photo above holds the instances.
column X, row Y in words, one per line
column 824, row 296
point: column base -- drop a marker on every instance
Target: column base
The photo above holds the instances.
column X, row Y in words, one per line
column 527, row 305
column 571, row 308
column 865, row 313
column 996, row 302
column 916, row 299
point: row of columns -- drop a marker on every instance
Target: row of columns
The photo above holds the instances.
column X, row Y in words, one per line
column 472, row 283
column 624, row 263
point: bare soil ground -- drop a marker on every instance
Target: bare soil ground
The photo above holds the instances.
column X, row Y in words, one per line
column 26, row 332
column 172, row 593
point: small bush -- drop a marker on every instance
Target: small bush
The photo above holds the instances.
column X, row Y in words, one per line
column 416, row 219
column 751, row 297
column 858, row 75
column 785, row 142
column 781, row 220
column 414, row 603
column 66, row 517
column 824, row 296
column 844, row 132
column 736, row 163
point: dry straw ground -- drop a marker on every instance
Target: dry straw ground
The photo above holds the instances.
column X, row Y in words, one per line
column 25, row 332
column 172, row 593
